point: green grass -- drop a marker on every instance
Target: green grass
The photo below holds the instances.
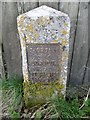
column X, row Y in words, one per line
column 59, row 108
column 11, row 96
column 70, row 109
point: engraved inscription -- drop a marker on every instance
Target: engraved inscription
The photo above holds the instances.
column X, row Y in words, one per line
column 44, row 62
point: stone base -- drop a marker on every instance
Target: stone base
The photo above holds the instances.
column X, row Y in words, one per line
column 40, row 93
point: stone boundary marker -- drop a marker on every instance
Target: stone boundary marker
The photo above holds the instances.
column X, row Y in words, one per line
column 44, row 37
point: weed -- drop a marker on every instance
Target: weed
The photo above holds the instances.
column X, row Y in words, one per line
column 70, row 109
column 11, row 96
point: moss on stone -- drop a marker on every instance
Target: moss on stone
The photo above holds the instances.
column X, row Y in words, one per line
column 39, row 93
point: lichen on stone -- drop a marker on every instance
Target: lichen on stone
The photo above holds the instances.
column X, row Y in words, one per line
column 39, row 93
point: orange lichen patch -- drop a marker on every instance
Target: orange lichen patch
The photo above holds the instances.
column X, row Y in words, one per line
column 21, row 18
column 21, row 21
column 29, row 37
column 64, row 32
column 29, row 27
column 21, row 24
column 47, row 21
column 64, row 42
column 55, row 41
column 62, row 39
column 36, row 35
column 41, row 21
column 66, row 24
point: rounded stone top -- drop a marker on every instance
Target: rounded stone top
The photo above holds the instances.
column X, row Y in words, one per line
column 44, row 25
column 44, row 11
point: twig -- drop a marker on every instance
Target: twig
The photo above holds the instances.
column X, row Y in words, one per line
column 53, row 116
column 42, row 109
column 46, row 109
column 33, row 116
column 84, row 88
column 85, row 99
column 48, row 113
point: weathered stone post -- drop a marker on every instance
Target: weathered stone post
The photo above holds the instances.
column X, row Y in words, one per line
column 44, row 37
